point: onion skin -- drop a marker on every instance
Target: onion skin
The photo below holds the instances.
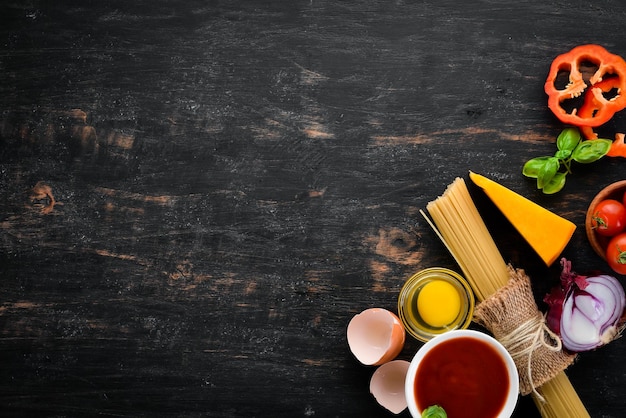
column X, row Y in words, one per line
column 555, row 300
column 585, row 311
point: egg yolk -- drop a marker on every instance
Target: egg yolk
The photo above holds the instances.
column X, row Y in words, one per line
column 438, row 303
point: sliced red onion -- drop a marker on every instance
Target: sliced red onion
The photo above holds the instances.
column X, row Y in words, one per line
column 585, row 311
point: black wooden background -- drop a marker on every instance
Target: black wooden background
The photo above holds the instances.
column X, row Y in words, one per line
column 197, row 196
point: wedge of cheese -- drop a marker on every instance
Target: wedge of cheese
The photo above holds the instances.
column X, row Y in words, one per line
column 546, row 232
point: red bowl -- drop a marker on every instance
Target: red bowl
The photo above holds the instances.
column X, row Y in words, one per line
column 612, row 191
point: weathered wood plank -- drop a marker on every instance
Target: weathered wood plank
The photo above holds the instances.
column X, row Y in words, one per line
column 197, row 196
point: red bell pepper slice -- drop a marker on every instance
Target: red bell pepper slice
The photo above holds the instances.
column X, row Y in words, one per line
column 596, row 108
column 618, row 148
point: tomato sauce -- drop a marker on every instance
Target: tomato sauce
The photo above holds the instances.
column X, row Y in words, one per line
column 465, row 376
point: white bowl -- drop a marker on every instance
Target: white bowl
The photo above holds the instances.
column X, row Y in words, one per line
column 512, row 394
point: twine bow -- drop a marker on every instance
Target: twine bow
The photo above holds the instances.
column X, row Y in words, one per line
column 523, row 341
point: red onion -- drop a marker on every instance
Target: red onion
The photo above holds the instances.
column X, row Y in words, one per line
column 585, row 311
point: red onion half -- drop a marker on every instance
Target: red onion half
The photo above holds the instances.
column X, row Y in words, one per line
column 585, row 311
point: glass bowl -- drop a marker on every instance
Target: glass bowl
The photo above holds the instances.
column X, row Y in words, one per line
column 408, row 310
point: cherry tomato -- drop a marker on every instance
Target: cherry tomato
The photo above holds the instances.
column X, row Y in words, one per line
column 609, row 217
column 616, row 253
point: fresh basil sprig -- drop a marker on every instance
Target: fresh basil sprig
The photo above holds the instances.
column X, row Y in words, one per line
column 434, row 411
column 550, row 172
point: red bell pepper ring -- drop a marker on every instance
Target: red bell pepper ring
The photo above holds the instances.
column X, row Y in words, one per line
column 591, row 103
column 599, row 109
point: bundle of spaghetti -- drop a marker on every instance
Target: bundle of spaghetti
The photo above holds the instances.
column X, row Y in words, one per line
column 467, row 238
column 460, row 227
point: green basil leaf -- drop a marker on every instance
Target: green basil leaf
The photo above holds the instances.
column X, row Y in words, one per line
column 591, row 150
column 547, row 172
column 434, row 411
column 556, row 184
column 563, row 154
column 568, row 139
column 532, row 167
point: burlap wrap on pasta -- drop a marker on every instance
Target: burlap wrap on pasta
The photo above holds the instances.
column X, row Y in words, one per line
column 506, row 314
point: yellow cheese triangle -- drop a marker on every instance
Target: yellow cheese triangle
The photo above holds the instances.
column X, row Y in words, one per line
column 546, row 232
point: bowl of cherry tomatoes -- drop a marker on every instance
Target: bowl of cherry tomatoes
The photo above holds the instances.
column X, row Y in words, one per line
column 605, row 225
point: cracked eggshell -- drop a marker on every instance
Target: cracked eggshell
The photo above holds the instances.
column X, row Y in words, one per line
column 388, row 385
column 375, row 336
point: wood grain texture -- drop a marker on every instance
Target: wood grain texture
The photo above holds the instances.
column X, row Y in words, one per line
column 197, row 196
